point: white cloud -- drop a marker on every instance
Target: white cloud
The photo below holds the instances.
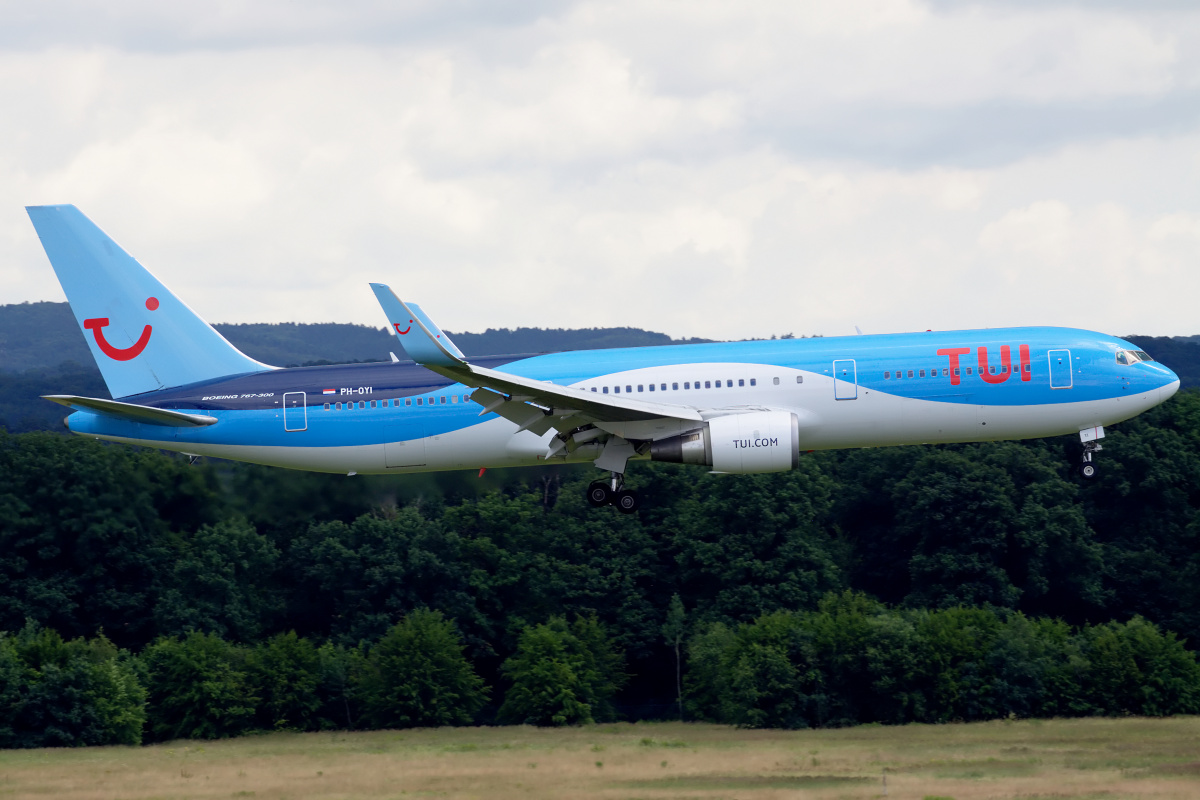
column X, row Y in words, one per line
column 703, row 168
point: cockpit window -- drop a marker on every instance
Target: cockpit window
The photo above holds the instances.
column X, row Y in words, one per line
column 1132, row 356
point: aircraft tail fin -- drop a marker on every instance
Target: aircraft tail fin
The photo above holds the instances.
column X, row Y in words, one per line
column 142, row 336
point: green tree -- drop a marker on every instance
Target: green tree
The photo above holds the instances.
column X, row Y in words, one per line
column 285, row 673
column 1133, row 668
column 221, row 582
column 756, row 544
column 562, row 674
column 418, row 676
column 87, row 532
column 353, row 580
column 198, row 688
column 57, row 693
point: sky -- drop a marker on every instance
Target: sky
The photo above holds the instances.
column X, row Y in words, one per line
column 714, row 169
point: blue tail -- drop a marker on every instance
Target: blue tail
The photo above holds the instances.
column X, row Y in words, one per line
column 142, row 337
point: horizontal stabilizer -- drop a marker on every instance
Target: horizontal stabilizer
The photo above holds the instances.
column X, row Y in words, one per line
column 132, row 412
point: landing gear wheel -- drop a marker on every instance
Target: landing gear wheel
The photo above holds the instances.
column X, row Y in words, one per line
column 627, row 501
column 1088, row 470
column 599, row 494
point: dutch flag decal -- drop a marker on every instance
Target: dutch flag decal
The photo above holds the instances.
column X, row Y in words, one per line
column 329, row 391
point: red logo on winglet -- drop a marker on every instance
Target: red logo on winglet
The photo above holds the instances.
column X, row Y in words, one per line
column 96, row 325
column 396, row 325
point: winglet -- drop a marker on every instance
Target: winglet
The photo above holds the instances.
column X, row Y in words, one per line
column 422, row 340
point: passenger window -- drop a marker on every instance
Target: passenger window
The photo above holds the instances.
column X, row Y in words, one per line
column 337, row 406
column 887, row 375
column 775, row 381
column 754, row 381
column 910, row 373
column 453, row 398
column 687, row 385
column 922, row 375
column 708, row 384
column 741, row 381
column 663, row 387
column 362, row 404
column 799, row 379
column 617, row 389
column 373, row 404
column 327, row 406
column 946, row 372
column 628, row 389
column 675, row 387
column 969, row 371
column 420, row 401
column 443, row 400
column 408, row 401
column 652, row 387
column 639, row 387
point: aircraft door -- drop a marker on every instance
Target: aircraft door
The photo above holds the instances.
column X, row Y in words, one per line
column 404, row 444
column 1060, row 369
column 295, row 412
column 845, row 379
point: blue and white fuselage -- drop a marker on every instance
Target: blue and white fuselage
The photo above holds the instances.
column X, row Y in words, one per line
column 400, row 417
column 737, row 407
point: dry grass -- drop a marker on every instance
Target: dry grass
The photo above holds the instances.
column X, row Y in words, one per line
column 1094, row 758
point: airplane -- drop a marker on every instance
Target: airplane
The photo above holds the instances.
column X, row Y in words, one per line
column 736, row 407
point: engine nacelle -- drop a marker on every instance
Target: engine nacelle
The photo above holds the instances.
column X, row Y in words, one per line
column 757, row 441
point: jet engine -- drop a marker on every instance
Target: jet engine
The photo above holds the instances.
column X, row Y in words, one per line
column 757, row 441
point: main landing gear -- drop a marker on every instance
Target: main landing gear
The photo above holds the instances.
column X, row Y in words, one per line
column 612, row 492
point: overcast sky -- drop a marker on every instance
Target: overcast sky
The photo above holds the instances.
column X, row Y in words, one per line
column 715, row 169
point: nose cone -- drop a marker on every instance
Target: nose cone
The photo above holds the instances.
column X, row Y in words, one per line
column 1169, row 382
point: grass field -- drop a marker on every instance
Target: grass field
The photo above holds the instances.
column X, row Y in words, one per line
column 1093, row 758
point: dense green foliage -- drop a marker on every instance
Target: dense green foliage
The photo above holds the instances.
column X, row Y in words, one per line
column 894, row 584
column 55, row 693
column 563, row 674
column 853, row 660
column 417, row 676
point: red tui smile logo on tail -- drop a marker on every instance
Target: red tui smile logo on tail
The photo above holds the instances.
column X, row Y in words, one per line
column 396, row 325
column 96, row 324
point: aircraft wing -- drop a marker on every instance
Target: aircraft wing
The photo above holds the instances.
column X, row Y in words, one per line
column 534, row 405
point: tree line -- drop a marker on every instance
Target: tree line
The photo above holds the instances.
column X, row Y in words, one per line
column 852, row 660
column 117, row 549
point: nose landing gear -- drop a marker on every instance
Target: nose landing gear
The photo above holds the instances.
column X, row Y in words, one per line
column 1090, row 437
column 612, row 492
column 1087, row 467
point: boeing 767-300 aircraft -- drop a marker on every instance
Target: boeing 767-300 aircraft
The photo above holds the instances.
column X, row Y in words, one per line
column 737, row 407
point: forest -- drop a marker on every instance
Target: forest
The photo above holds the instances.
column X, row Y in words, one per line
column 143, row 599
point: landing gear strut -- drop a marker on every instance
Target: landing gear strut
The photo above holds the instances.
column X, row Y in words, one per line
column 1087, row 467
column 612, row 492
